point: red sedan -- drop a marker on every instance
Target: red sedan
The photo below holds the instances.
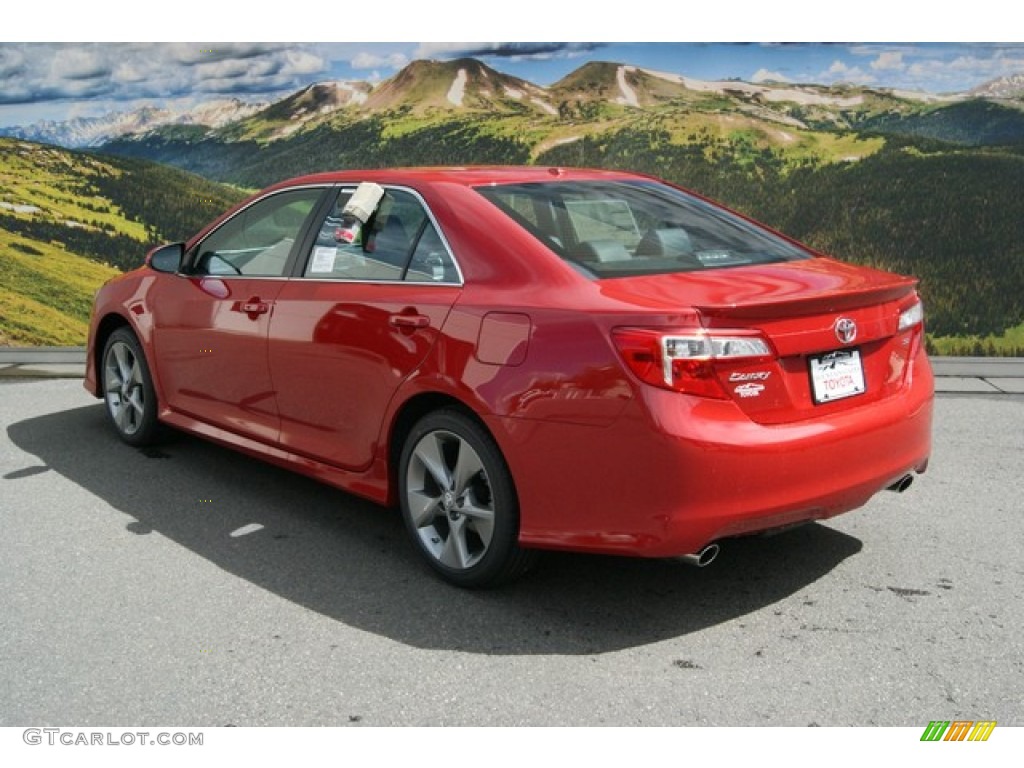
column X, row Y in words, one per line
column 526, row 358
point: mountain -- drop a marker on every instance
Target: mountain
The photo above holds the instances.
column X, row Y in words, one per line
column 70, row 221
column 461, row 84
column 285, row 117
column 95, row 131
column 597, row 90
column 464, row 111
column 1010, row 87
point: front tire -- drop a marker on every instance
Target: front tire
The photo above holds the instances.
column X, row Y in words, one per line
column 459, row 503
column 128, row 389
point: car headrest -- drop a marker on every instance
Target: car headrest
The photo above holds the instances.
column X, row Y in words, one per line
column 674, row 241
column 601, row 250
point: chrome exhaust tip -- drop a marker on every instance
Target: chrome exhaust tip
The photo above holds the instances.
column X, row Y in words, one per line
column 902, row 484
column 701, row 559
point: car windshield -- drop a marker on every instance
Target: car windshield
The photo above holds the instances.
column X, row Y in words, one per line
column 626, row 228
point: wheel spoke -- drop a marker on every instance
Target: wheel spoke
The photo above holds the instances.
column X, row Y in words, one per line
column 423, row 508
column 113, row 380
column 467, row 467
column 135, row 400
column 429, row 454
column 480, row 520
column 120, row 414
column 135, row 376
column 455, row 553
column 123, row 365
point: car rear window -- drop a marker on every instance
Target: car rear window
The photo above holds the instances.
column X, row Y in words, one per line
column 626, row 228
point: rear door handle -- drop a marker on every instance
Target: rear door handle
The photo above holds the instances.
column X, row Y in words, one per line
column 409, row 321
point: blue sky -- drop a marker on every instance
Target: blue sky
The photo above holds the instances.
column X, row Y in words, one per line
column 57, row 81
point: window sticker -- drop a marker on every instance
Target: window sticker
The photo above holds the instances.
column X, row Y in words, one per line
column 323, row 259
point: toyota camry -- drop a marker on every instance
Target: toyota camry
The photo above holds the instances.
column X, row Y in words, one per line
column 524, row 359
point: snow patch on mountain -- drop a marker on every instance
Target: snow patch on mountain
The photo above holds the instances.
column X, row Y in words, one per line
column 544, row 105
column 928, row 98
column 628, row 96
column 458, row 89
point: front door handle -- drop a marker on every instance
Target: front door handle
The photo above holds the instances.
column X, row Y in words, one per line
column 256, row 307
column 253, row 307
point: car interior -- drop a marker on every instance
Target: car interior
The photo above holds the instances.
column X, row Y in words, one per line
column 399, row 242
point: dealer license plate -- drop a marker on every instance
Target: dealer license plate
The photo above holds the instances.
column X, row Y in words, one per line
column 836, row 375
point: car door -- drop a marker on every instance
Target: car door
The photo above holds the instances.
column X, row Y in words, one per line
column 354, row 323
column 211, row 321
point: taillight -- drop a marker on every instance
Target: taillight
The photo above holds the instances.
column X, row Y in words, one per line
column 686, row 362
column 911, row 316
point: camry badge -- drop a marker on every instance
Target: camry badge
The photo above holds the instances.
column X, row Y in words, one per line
column 846, row 330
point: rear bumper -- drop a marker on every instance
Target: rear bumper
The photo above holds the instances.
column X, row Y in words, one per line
column 675, row 473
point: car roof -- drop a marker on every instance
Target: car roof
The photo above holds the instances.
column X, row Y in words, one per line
column 469, row 176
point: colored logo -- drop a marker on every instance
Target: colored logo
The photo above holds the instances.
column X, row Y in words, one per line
column 958, row 730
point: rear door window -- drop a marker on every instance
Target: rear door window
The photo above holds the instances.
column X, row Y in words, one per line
column 400, row 242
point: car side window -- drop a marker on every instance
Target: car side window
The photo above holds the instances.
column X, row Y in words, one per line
column 257, row 241
column 399, row 242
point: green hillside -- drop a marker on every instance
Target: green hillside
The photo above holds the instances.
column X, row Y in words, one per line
column 69, row 221
column 973, row 123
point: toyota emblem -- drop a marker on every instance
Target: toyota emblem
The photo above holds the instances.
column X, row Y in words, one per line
column 846, row 330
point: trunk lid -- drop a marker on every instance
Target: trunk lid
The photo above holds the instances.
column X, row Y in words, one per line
column 833, row 328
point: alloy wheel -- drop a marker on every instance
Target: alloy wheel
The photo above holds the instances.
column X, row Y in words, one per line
column 449, row 498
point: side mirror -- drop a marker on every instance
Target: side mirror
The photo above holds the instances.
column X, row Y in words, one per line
column 166, row 258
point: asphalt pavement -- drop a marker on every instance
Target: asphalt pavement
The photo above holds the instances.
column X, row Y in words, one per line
column 189, row 584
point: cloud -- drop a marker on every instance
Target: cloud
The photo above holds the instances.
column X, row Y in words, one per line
column 203, row 53
column 840, row 72
column 965, row 71
column 47, row 72
column 367, row 60
column 12, row 63
column 79, row 64
column 766, row 75
column 951, row 67
column 503, row 50
column 889, row 61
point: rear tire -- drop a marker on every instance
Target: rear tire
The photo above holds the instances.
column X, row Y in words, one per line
column 128, row 389
column 459, row 502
